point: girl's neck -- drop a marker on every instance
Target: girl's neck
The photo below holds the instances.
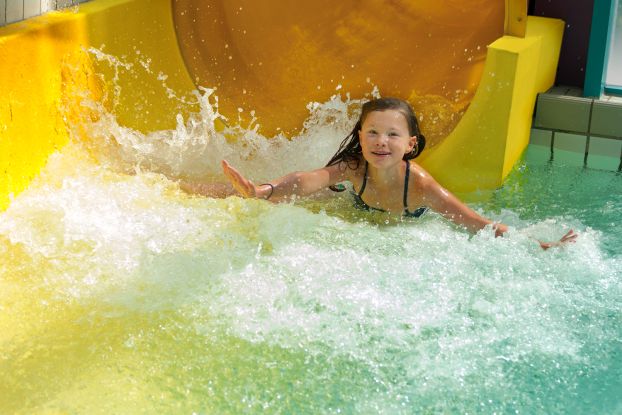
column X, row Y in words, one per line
column 386, row 178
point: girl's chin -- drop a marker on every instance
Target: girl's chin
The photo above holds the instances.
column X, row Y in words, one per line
column 383, row 161
column 377, row 158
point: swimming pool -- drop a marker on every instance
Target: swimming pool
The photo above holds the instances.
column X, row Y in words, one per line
column 122, row 294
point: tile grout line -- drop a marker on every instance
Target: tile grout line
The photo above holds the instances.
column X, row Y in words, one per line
column 589, row 132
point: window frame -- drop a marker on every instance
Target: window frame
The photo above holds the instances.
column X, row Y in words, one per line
column 598, row 52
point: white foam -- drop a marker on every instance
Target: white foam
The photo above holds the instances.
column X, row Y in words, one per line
column 420, row 305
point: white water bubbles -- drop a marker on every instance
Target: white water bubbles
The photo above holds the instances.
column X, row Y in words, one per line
column 203, row 137
column 408, row 312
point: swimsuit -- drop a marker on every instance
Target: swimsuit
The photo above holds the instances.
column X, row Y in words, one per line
column 360, row 204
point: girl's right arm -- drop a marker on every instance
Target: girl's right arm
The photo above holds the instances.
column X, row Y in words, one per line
column 297, row 183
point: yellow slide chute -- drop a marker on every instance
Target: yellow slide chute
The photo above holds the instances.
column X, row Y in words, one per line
column 473, row 86
column 277, row 59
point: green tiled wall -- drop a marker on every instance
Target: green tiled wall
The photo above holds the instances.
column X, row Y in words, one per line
column 568, row 125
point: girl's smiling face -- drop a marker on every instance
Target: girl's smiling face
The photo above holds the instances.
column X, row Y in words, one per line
column 385, row 138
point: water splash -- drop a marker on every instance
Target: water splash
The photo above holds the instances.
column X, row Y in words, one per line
column 121, row 283
column 194, row 148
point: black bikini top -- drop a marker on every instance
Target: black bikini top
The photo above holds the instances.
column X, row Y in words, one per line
column 360, row 204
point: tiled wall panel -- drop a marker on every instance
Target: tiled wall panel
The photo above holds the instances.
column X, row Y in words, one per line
column 12, row 11
column 2, row 12
column 572, row 120
column 32, row 8
column 563, row 113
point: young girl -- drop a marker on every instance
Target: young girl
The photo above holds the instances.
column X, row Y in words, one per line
column 376, row 158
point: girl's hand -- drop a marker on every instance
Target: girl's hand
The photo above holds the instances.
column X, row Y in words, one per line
column 244, row 187
column 569, row 237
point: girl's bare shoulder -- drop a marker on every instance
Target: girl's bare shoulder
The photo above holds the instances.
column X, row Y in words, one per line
column 351, row 169
column 422, row 181
column 418, row 174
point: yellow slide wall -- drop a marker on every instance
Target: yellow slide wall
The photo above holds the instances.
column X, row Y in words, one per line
column 494, row 132
column 32, row 55
column 31, row 127
column 478, row 154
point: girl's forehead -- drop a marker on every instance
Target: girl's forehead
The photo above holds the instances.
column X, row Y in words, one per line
column 387, row 118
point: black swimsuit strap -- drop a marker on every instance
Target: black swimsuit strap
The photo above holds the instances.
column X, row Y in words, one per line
column 360, row 193
column 406, row 185
column 360, row 203
column 364, row 180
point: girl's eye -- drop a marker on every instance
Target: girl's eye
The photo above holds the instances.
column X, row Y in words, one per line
column 392, row 134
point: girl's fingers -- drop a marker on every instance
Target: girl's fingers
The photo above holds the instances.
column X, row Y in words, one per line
column 570, row 236
column 244, row 186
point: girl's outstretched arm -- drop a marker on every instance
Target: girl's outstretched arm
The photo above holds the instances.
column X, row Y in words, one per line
column 444, row 202
column 297, row 183
column 217, row 190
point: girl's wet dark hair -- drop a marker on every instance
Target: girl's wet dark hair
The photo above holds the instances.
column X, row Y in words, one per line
column 350, row 152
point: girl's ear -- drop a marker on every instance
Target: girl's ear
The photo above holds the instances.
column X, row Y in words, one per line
column 412, row 143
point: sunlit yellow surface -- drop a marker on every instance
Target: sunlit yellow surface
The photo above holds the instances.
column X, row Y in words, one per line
column 31, row 125
column 141, row 32
column 36, row 56
column 515, row 18
column 494, row 132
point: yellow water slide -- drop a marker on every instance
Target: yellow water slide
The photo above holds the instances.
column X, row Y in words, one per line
column 471, row 69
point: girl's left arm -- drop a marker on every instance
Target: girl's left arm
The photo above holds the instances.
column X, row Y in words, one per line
column 444, row 202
